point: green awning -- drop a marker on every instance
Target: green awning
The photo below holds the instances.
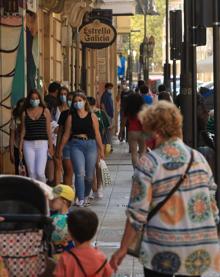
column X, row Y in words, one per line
column 18, row 84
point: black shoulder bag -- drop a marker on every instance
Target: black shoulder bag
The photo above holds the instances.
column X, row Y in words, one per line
column 134, row 248
column 82, row 268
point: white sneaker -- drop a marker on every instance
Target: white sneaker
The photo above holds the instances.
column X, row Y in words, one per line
column 92, row 195
column 100, row 193
column 87, row 203
column 80, row 203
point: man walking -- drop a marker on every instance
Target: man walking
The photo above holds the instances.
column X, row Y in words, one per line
column 107, row 106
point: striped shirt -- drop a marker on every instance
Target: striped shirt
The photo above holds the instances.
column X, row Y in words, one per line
column 182, row 237
column 35, row 129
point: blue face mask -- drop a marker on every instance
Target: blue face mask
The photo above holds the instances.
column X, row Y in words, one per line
column 69, row 103
column 63, row 98
column 79, row 105
column 35, row 102
column 109, row 91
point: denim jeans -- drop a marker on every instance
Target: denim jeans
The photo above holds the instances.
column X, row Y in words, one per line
column 83, row 154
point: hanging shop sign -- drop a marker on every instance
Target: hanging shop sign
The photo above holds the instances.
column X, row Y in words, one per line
column 97, row 34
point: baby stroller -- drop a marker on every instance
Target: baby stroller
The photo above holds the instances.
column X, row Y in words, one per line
column 26, row 231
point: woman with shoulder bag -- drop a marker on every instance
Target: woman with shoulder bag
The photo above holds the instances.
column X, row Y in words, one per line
column 172, row 203
column 36, row 142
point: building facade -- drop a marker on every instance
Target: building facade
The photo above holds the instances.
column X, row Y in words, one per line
column 40, row 44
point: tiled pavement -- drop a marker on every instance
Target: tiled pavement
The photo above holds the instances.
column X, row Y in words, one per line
column 111, row 211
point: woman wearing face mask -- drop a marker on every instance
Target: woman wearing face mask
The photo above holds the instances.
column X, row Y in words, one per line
column 82, row 128
column 66, row 161
column 36, row 142
column 108, row 107
column 62, row 102
column 173, row 202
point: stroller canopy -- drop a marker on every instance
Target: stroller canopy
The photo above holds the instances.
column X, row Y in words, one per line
column 21, row 196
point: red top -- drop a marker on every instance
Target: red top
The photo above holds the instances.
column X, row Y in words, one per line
column 134, row 124
column 91, row 260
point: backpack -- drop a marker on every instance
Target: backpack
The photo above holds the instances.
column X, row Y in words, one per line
column 95, row 274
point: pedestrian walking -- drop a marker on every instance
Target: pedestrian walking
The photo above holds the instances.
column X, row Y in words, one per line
column 83, row 260
column 147, row 96
column 15, row 134
column 62, row 102
column 53, row 89
column 211, row 122
column 163, row 94
column 205, row 141
column 66, row 163
column 136, row 140
column 50, row 167
column 104, row 124
column 108, row 107
column 124, row 92
column 36, row 142
column 139, row 85
column 82, row 129
column 172, row 203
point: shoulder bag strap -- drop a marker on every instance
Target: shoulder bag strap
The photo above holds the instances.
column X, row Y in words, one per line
column 174, row 189
column 78, row 262
column 102, row 266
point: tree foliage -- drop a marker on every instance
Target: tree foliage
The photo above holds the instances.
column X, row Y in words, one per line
column 155, row 27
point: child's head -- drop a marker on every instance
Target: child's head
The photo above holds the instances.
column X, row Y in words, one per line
column 63, row 197
column 82, row 224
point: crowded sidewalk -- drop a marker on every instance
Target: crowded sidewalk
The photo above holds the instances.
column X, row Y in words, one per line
column 111, row 211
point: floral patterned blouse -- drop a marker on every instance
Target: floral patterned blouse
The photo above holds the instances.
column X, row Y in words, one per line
column 182, row 237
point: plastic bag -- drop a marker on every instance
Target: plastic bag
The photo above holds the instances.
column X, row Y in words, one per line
column 106, row 177
column 22, row 169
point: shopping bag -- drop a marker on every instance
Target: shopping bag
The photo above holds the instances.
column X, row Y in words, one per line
column 106, row 178
column 108, row 149
column 22, row 169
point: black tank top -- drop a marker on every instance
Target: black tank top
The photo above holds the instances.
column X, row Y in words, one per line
column 35, row 129
column 82, row 125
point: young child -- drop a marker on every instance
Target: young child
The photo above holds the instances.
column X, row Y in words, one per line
column 83, row 260
column 63, row 198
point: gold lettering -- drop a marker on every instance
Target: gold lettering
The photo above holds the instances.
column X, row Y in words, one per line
column 97, row 34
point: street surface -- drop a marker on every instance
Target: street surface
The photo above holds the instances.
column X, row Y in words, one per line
column 111, row 211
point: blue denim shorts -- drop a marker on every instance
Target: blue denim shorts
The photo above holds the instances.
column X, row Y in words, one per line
column 66, row 152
